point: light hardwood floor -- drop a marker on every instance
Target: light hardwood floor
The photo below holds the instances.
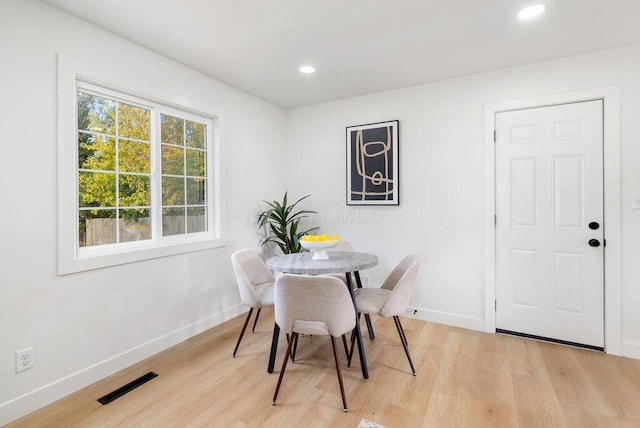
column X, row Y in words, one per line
column 464, row 379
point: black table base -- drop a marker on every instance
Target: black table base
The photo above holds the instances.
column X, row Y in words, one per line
column 358, row 333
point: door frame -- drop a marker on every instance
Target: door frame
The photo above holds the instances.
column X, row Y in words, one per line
column 611, row 159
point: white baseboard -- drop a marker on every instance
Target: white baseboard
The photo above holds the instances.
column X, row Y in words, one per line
column 456, row 320
column 27, row 403
column 631, row 350
column 628, row 349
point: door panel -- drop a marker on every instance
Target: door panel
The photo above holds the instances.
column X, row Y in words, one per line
column 549, row 186
column 524, row 192
column 524, row 265
column 569, row 282
column 568, row 192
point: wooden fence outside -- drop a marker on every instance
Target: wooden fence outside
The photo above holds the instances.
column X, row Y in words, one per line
column 101, row 231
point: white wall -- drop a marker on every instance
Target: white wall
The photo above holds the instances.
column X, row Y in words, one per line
column 441, row 210
column 87, row 325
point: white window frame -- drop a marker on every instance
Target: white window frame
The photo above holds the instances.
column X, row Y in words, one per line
column 73, row 258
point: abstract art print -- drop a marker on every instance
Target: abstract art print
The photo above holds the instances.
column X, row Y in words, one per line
column 372, row 164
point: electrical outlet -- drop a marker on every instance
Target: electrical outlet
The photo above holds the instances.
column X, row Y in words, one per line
column 25, row 359
column 365, row 280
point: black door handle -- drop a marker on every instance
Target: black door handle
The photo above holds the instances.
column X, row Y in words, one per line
column 594, row 225
column 594, row 242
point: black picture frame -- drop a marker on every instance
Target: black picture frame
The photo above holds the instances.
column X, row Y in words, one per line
column 372, row 164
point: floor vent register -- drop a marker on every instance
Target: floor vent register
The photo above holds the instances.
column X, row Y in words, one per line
column 126, row 388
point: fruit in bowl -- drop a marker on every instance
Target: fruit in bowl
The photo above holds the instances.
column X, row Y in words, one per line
column 318, row 243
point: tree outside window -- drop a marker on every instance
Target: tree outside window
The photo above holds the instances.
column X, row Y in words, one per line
column 115, row 182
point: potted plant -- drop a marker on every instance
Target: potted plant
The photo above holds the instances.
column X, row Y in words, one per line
column 281, row 223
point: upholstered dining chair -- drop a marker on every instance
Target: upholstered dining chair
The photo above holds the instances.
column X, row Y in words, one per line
column 313, row 305
column 391, row 299
column 346, row 246
column 255, row 283
column 342, row 246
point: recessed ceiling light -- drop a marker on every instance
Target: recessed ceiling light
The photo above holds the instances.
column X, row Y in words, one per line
column 530, row 12
column 307, row 69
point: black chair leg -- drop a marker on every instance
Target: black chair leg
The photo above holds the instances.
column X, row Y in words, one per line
column 372, row 335
column 335, row 358
column 403, row 339
column 346, row 347
column 284, row 366
column 293, row 353
column 244, row 327
column 295, row 347
column 256, row 320
column 350, row 354
column 353, row 344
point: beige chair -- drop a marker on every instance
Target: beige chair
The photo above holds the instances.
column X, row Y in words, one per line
column 346, row 246
column 342, row 246
column 255, row 283
column 392, row 298
column 313, row 305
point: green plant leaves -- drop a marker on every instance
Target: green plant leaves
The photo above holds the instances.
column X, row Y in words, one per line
column 281, row 223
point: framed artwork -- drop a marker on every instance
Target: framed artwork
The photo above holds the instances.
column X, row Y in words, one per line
column 372, row 164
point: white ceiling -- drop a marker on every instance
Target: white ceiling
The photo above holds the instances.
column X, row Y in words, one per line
column 357, row 46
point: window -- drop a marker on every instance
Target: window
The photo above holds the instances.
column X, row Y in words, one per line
column 146, row 180
column 184, row 173
column 114, row 171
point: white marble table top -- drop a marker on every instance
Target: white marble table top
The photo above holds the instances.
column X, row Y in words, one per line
column 338, row 262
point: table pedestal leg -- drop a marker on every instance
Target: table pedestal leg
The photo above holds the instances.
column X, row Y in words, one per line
column 274, row 347
column 367, row 318
column 363, row 359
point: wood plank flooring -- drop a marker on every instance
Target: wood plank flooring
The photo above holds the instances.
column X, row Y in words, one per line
column 464, row 379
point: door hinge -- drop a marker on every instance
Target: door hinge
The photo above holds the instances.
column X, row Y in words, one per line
column 495, row 219
column 495, row 305
column 494, row 135
column 604, row 242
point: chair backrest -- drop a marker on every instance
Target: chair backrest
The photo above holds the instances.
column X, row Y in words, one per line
column 250, row 271
column 314, row 298
column 400, row 281
column 342, row 246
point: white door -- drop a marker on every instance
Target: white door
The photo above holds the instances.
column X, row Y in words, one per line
column 549, row 222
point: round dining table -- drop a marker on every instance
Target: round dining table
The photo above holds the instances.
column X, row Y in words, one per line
column 346, row 262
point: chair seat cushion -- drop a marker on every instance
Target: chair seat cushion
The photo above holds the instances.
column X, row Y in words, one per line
column 264, row 292
column 371, row 300
column 317, row 328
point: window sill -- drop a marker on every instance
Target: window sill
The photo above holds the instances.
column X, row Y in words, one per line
column 96, row 258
